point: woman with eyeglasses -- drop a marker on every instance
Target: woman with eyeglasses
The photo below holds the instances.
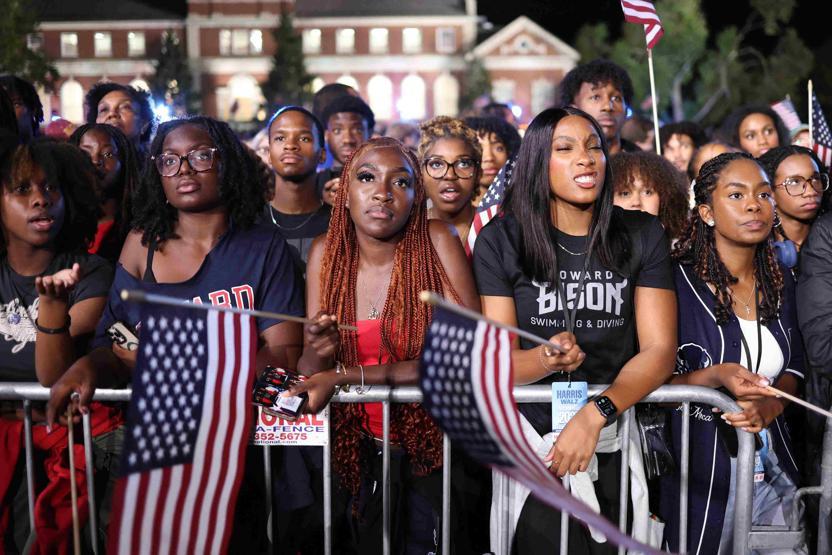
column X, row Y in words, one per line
column 798, row 180
column 450, row 154
column 195, row 238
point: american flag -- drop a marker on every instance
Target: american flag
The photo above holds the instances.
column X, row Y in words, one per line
column 490, row 204
column 644, row 12
column 821, row 136
column 467, row 379
column 785, row 109
column 186, row 434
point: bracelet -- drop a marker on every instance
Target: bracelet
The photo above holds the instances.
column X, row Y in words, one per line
column 341, row 369
column 54, row 331
column 543, row 361
column 361, row 390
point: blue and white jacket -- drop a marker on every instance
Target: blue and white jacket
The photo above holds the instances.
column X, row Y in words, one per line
column 703, row 343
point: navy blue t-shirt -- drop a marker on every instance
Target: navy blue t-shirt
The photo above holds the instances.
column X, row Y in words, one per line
column 250, row 268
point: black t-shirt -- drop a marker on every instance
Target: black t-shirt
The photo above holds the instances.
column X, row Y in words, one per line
column 299, row 230
column 19, row 309
column 604, row 321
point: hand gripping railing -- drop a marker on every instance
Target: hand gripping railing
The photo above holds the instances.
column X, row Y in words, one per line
column 743, row 539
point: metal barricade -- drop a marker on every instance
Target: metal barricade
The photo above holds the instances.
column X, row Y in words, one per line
column 744, row 539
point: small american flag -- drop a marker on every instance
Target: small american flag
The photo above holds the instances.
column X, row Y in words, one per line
column 785, row 109
column 186, row 434
column 467, row 381
column 490, row 204
column 821, row 136
column 644, row 12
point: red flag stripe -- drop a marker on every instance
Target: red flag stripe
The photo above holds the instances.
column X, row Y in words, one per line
column 172, row 505
column 186, row 471
column 136, row 535
column 639, row 11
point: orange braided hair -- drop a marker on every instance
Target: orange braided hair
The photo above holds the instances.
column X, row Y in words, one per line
column 404, row 320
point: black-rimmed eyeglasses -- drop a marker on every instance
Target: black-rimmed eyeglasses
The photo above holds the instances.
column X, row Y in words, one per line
column 200, row 160
column 438, row 168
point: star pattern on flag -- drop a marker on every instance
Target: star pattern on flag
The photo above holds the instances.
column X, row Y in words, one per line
column 821, row 135
column 168, row 400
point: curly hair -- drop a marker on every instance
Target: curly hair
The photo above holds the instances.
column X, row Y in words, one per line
column 140, row 97
column 697, row 248
column 506, row 133
column 772, row 159
column 730, row 130
column 444, row 127
column 596, row 72
column 69, row 168
column 14, row 85
column 404, row 320
column 660, row 175
column 687, row 128
column 128, row 179
column 242, row 185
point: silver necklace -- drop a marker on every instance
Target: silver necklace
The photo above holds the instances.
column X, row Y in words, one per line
column 374, row 314
column 297, row 227
column 746, row 302
column 570, row 252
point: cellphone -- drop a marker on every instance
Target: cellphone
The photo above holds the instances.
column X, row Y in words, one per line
column 270, row 385
column 124, row 336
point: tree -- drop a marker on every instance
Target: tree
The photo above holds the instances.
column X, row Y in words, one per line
column 172, row 81
column 476, row 83
column 20, row 20
column 288, row 81
column 695, row 81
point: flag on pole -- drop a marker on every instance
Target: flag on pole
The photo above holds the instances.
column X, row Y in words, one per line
column 785, row 109
column 186, row 434
column 644, row 12
column 466, row 377
column 490, row 204
column 822, row 139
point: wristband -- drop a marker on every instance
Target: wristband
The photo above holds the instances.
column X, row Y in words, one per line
column 54, row 331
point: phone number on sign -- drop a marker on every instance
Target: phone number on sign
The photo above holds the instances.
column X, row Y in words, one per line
column 282, row 436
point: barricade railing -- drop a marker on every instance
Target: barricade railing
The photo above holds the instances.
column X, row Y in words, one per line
column 745, row 537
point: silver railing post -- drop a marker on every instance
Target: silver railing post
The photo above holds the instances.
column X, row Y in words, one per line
column 684, row 476
column 90, row 468
column 825, row 505
column 267, row 473
column 328, row 486
column 446, row 494
column 30, row 467
column 564, row 523
column 385, row 478
column 505, row 540
column 624, row 486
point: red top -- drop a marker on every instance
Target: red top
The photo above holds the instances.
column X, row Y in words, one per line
column 369, row 354
column 103, row 229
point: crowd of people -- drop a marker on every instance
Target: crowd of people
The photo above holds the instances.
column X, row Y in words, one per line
column 706, row 265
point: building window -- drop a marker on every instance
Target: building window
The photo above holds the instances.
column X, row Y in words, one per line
column 225, row 42
column 411, row 103
column 34, row 41
column 135, row 43
column 380, row 95
column 345, row 41
column 445, row 39
column 543, row 95
column 103, row 45
column 348, row 80
column 72, row 97
column 69, row 45
column 411, row 40
column 378, row 41
column 311, row 41
column 445, row 95
column 317, row 84
column 255, row 41
column 502, row 90
column 239, row 42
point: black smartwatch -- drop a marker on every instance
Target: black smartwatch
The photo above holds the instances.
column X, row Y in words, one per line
column 607, row 408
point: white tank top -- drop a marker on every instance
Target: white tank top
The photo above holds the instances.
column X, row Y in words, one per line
column 771, row 359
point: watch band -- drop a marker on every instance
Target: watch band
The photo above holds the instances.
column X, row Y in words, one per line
column 607, row 408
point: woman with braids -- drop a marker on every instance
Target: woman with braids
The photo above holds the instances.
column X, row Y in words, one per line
column 194, row 237
column 737, row 332
column 562, row 262
column 450, row 154
column 117, row 167
column 52, row 293
column 799, row 181
column 380, row 251
column 647, row 182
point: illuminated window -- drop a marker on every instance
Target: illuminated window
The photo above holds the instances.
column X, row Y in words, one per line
column 502, row 90
column 411, row 103
column 348, row 80
column 239, row 41
column 34, row 41
column 380, row 95
column 317, row 84
column 411, row 40
column 543, row 95
column 69, row 45
column 72, row 100
column 345, row 41
column 378, row 41
column 135, row 43
column 225, row 42
column 446, row 95
column 255, row 41
column 311, row 41
column 103, row 45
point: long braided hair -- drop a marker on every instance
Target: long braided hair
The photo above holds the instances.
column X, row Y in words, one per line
column 697, row 248
column 404, row 321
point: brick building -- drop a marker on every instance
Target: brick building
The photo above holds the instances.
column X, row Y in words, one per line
column 406, row 58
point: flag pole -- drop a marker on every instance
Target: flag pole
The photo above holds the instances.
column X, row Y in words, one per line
column 811, row 116
column 801, row 402
column 73, row 486
column 134, row 295
column 654, row 101
column 434, row 299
